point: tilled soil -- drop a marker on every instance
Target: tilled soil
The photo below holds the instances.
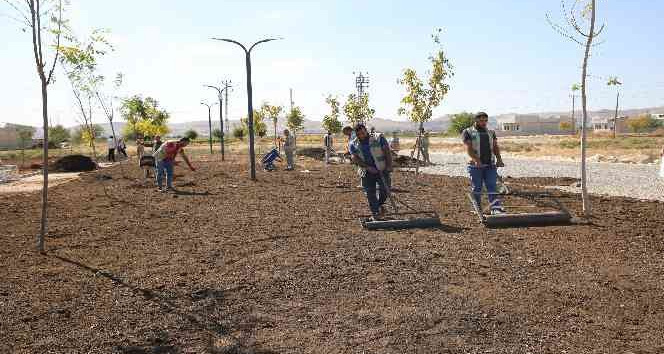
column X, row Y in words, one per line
column 281, row 265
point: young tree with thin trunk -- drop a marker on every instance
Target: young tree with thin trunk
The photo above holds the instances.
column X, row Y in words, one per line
column 613, row 81
column 272, row 112
column 331, row 122
column 79, row 62
column 421, row 99
column 586, row 11
column 41, row 18
column 357, row 109
column 106, row 103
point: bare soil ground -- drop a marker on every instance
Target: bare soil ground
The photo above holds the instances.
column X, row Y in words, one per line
column 281, row 265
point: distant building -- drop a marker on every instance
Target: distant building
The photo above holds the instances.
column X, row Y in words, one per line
column 10, row 140
column 8, row 137
column 532, row 124
column 605, row 125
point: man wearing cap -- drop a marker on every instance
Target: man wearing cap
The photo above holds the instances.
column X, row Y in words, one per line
column 482, row 147
column 165, row 159
column 372, row 155
column 289, row 149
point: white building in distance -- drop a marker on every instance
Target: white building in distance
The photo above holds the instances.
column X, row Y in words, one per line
column 532, row 124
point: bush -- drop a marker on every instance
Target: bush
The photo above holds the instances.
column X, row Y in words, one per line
column 239, row 132
column 461, row 121
column 57, row 135
column 216, row 133
column 191, row 134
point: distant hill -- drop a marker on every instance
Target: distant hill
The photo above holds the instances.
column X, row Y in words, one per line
column 438, row 124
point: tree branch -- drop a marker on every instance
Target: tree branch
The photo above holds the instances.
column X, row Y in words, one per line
column 57, row 44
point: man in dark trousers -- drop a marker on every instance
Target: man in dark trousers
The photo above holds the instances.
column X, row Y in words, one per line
column 482, row 147
column 371, row 154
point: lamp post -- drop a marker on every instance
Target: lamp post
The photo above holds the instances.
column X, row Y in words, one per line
column 209, row 107
column 221, row 116
column 250, row 108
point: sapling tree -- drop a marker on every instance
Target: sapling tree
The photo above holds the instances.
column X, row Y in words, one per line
column 331, row 122
column 43, row 20
column 357, row 109
column 79, row 62
column 272, row 112
column 422, row 98
column 295, row 120
column 581, row 13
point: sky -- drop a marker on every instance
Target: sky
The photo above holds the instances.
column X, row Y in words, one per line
column 506, row 58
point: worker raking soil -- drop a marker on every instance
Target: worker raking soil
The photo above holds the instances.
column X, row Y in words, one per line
column 165, row 161
column 372, row 155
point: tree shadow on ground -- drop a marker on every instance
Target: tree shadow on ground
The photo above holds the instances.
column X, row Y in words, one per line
column 220, row 338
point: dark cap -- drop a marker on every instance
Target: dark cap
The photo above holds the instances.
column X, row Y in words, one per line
column 481, row 115
column 185, row 140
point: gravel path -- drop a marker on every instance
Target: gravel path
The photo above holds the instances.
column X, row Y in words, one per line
column 614, row 179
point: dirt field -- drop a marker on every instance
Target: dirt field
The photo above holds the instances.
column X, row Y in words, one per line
column 281, row 265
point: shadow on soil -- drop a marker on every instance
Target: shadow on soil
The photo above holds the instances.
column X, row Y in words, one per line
column 219, row 338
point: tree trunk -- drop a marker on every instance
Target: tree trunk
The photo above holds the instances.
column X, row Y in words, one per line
column 573, row 112
column 587, row 212
column 275, row 133
column 44, row 212
column 418, row 143
column 615, row 117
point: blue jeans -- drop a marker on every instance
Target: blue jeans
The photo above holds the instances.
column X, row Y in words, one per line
column 164, row 165
column 369, row 182
column 486, row 175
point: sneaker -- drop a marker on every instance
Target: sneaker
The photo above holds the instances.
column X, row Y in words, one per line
column 374, row 217
column 497, row 211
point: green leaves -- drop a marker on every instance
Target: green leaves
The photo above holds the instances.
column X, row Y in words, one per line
column 461, row 121
column 420, row 100
column 144, row 116
column 271, row 112
column 613, row 81
column 295, row 119
column 357, row 109
column 260, row 128
column 575, row 87
column 331, row 121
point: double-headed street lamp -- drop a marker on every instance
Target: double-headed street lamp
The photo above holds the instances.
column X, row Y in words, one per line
column 250, row 107
column 220, row 90
column 209, row 107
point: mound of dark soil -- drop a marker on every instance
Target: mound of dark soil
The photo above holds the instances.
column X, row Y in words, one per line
column 313, row 152
column 74, row 163
column 405, row 161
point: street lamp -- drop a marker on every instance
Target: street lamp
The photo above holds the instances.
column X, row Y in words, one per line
column 221, row 116
column 209, row 107
column 250, row 107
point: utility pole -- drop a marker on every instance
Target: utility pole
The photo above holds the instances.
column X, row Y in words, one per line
column 291, row 100
column 361, row 84
column 221, row 117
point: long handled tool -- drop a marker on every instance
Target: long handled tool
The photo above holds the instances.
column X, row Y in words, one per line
column 396, row 219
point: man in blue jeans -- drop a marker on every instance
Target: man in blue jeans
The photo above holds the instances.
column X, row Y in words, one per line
column 371, row 154
column 482, row 146
column 165, row 159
